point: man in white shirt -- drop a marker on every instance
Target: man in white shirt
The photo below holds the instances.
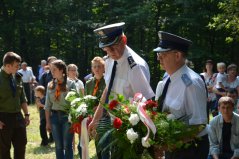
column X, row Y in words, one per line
column 28, row 78
column 184, row 92
column 132, row 72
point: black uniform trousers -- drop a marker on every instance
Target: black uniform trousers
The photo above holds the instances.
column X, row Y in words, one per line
column 14, row 132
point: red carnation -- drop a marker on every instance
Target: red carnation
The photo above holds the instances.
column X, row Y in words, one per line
column 151, row 104
column 154, row 113
column 117, row 123
column 113, row 104
column 76, row 128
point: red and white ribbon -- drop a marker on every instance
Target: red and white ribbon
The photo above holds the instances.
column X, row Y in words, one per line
column 143, row 115
column 84, row 139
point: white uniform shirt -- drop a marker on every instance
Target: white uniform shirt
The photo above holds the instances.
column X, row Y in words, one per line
column 27, row 76
column 186, row 96
column 159, row 90
column 131, row 77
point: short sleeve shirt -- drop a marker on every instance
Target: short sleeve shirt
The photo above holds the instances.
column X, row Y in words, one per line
column 233, row 84
column 53, row 104
column 132, row 75
column 186, row 96
column 27, row 75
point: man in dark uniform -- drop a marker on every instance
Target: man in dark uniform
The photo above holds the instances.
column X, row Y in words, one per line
column 184, row 93
column 12, row 101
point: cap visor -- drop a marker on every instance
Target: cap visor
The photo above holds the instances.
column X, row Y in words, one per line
column 102, row 44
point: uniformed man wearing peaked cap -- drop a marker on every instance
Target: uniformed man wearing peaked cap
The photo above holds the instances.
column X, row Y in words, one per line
column 110, row 34
column 184, row 93
column 126, row 72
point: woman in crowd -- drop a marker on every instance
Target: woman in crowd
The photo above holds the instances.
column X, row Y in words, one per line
column 95, row 87
column 209, row 78
column 232, row 81
column 56, row 117
column 73, row 75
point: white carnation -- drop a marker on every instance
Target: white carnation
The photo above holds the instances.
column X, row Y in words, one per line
column 132, row 135
column 145, row 142
column 171, row 117
column 69, row 95
column 73, row 103
column 82, row 109
column 134, row 119
column 87, row 97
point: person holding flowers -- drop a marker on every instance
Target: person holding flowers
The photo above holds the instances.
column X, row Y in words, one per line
column 126, row 73
column 95, row 87
column 56, row 116
column 183, row 95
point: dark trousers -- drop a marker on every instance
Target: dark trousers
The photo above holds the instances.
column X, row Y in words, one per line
column 27, row 90
column 43, row 131
column 14, row 132
column 198, row 150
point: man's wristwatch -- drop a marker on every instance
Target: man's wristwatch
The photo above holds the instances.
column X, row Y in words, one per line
column 27, row 114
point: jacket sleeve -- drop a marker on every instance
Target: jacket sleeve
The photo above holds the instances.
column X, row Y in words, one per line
column 213, row 140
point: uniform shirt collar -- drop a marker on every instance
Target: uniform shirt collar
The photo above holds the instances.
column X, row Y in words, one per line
column 178, row 73
column 123, row 57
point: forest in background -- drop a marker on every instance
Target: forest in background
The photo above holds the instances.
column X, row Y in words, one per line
column 36, row 29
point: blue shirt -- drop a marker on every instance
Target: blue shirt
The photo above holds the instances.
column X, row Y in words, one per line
column 215, row 134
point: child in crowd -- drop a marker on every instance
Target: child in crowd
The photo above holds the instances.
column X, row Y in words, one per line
column 220, row 80
column 40, row 101
column 221, row 77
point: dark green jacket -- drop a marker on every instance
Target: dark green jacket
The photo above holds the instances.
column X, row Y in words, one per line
column 8, row 102
column 90, row 84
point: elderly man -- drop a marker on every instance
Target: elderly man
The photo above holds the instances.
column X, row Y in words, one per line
column 184, row 92
column 12, row 101
column 28, row 78
column 224, row 130
column 126, row 72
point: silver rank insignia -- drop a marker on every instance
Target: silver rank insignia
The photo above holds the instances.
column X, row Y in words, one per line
column 131, row 62
column 186, row 80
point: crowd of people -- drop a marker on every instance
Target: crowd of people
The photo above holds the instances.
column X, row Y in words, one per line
column 181, row 92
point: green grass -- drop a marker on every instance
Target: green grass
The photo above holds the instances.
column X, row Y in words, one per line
column 35, row 151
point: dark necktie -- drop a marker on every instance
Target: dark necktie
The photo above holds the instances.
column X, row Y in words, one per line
column 162, row 98
column 12, row 85
column 111, row 82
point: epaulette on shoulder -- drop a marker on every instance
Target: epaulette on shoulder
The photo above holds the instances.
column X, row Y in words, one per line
column 131, row 62
column 186, row 80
